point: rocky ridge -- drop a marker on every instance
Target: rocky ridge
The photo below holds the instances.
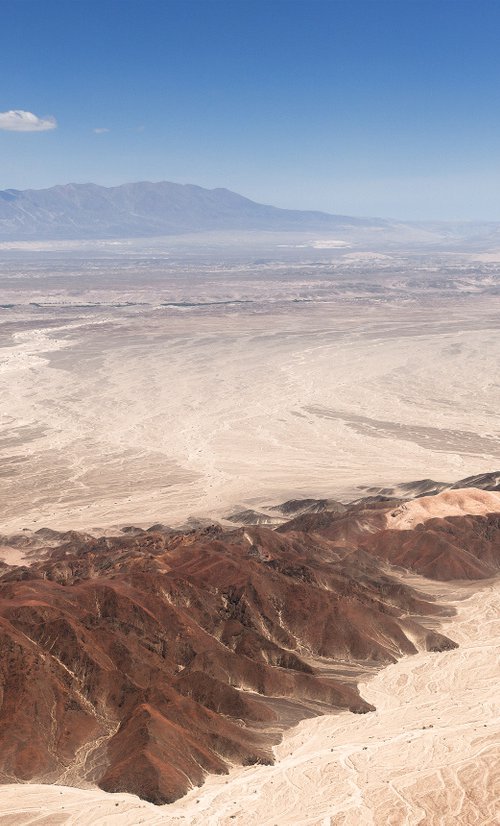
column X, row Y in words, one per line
column 143, row 661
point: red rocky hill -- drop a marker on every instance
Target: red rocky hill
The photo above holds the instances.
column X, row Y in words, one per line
column 144, row 661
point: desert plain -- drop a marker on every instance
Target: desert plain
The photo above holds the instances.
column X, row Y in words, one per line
column 163, row 383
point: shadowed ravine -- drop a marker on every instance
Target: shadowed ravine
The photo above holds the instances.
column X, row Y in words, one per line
column 145, row 661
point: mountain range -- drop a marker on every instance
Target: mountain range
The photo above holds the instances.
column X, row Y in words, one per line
column 144, row 209
column 81, row 211
column 146, row 660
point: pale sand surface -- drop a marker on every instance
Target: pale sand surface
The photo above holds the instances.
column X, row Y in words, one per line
column 430, row 754
column 141, row 390
column 12, row 556
column 448, row 503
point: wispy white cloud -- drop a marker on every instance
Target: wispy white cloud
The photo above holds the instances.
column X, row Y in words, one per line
column 17, row 120
column 101, row 130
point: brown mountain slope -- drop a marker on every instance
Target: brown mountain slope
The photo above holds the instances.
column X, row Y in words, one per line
column 146, row 660
column 451, row 535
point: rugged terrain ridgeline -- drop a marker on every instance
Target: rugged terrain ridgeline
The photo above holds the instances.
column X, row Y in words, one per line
column 144, row 661
column 144, row 209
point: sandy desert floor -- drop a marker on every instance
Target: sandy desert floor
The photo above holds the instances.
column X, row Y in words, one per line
column 154, row 389
column 429, row 755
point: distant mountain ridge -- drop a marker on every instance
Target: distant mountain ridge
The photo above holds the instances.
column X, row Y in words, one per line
column 86, row 212
column 89, row 211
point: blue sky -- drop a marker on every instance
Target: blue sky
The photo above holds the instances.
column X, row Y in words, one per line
column 367, row 107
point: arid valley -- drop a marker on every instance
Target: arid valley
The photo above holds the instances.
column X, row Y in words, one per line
column 249, row 413
column 204, row 441
column 201, row 381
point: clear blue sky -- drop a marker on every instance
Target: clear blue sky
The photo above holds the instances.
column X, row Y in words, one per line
column 368, row 107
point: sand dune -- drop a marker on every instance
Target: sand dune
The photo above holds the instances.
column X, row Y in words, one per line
column 429, row 754
column 448, row 503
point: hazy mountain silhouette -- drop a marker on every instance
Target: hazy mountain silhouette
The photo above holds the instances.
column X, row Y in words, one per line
column 80, row 211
